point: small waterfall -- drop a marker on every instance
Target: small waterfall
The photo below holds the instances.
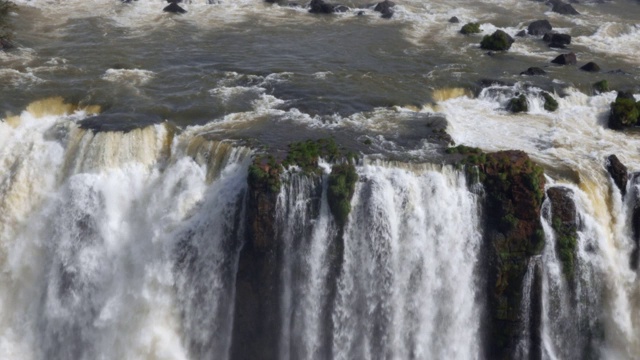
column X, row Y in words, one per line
column 529, row 344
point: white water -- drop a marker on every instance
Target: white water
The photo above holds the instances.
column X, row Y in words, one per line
column 98, row 231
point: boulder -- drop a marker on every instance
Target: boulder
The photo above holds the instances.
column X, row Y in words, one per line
column 174, row 8
column 556, row 40
column 550, row 104
column 521, row 33
column 454, row 20
column 625, row 112
column 539, row 27
column 601, row 86
column 590, row 67
column 470, row 28
column 518, row 104
column 565, row 59
column 563, row 8
column 618, row 173
column 498, row 41
column 385, row 8
column 533, row 71
column 320, row 7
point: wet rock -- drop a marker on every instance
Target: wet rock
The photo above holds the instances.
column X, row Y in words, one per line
column 385, row 8
column 518, row 104
column 534, row 71
column 340, row 8
column 539, row 27
column 564, row 224
column 556, row 40
column 498, row 41
column 590, row 67
column 635, row 223
column 563, row 8
column 320, row 7
column 565, row 59
column 618, row 173
column 601, row 86
column 470, row 28
column 550, row 104
column 625, row 112
column 454, row 20
column 5, row 44
column 521, row 33
column 174, row 8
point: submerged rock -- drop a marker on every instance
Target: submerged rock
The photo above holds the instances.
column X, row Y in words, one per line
column 601, row 86
column 534, row 71
column 556, row 40
column 454, row 20
column 498, row 41
column 518, row 104
column 385, row 8
column 174, row 8
column 539, row 27
column 618, row 173
column 565, row 59
column 5, row 44
column 590, row 67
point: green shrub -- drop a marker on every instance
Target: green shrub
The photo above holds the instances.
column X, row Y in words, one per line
column 498, row 41
column 342, row 185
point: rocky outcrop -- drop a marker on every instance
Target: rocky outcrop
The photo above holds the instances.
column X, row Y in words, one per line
column 565, row 59
column 564, row 224
column 514, row 191
column 618, row 173
column 534, row 71
column 498, row 41
column 590, row 67
column 385, row 8
column 539, row 27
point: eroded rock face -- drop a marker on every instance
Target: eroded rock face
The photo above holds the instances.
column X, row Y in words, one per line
column 618, row 173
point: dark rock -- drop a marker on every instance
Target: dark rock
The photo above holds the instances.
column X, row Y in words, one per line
column 539, row 27
column 625, row 112
column 521, row 33
column 565, row 226
column 533, row 71
column 635, row 222
column 340, row 8
column 618, row 173
column 550, row 104
column 556, row 40
column 601, row 86
column 385, row 8
column 565, row 59
column 564, row 9
column 590, row 67
column 5, row 44
column 498, row 41
column 174, row 8
column 320, row 7
column 470, row 28
column 360, row 13
column 454, row 20
column 518, row 104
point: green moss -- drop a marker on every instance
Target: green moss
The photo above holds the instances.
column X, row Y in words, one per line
column 566, row 242
column 464, row 150
column 264, row 173
column 518, row 104
column 342, row 184
column 498, row 41
column 624, row 113
column 601, row 86
column 470, row 28
column 306, row 154
column 550, row 104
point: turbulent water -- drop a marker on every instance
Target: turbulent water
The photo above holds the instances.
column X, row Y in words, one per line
column 127, row 133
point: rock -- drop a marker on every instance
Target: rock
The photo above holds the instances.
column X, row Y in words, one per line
column 340, row 8
column 533, row 71
column 360, row 13
column 539, row 27
column 454, row 20
column 601, row 86
column 618, row 173
column 625, row 112
column 518, row 104
column 565, row 59
column 470, row 28
column 320, row 7
column 590, row 67
column 174, row 8
column 565, row 226
column 385, row 8
column 521, row 33
column 556, row 40
column 635, row 222
column 5, row 44
column 498, row 41
column 550, row 104
column 564, row 9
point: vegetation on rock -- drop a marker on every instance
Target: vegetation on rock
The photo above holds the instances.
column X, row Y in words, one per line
column 342, row 185
column 498, row 41
column 550, row 104
column 601, row 86
column 563, row 222
column 470, row 28
column 625, row 112
column 518, row 104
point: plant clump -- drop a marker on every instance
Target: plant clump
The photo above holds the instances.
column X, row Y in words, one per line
column 550, row 104
column 498, row 41
column 566, row 242
column 342, row 185
column 518, row 104
column 470, row 28
column 601, row 86
column 625, row 112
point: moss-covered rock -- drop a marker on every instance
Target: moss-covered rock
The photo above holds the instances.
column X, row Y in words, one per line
column 550, row 104
column 498, row 41
column 518, row 104
column 625, row 112
column 470, row 28
column 563, row 222
column 601, row 86
column 342, row 185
